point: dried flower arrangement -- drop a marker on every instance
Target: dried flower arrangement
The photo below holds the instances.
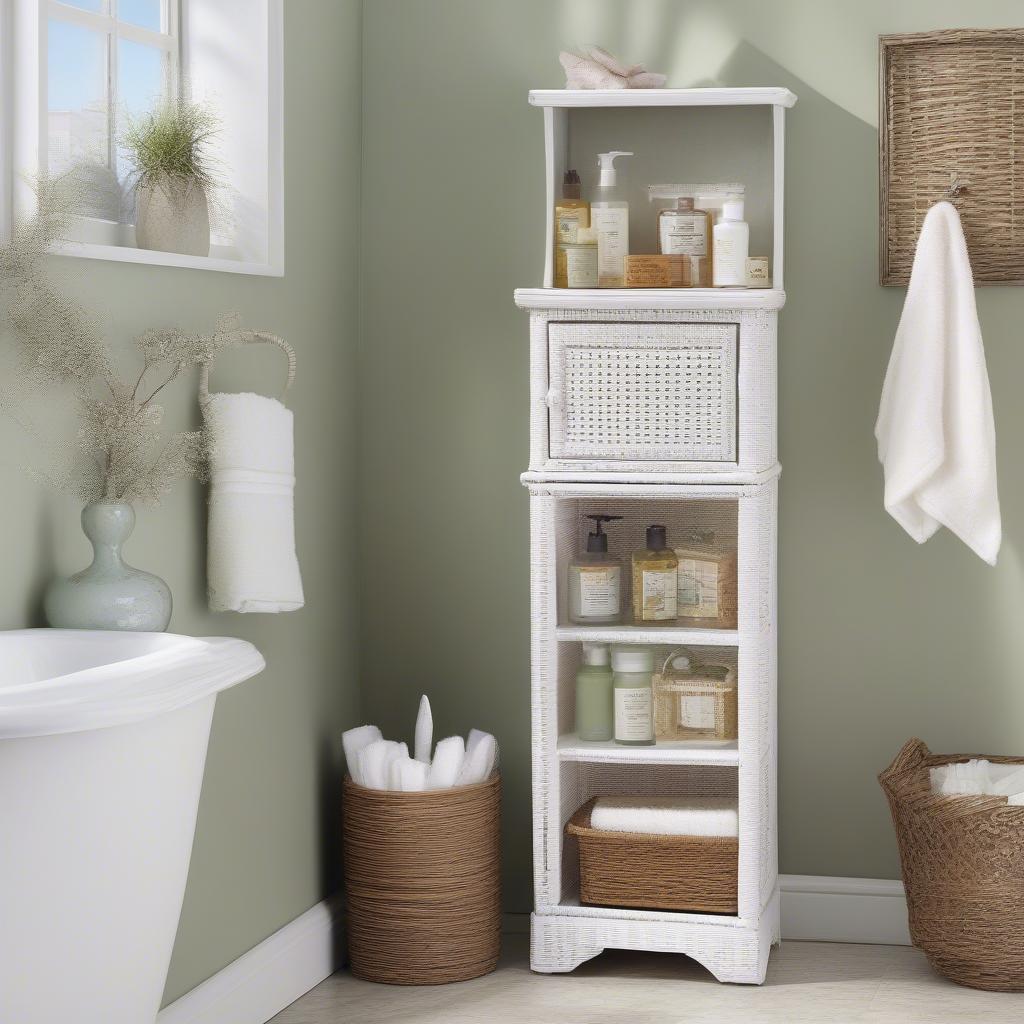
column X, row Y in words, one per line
column 120, row 453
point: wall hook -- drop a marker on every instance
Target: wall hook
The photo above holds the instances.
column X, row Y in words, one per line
column 956, row 187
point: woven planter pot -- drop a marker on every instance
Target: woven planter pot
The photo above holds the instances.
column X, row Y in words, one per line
column 422, row 883
column 963, row 869
column 626, row 869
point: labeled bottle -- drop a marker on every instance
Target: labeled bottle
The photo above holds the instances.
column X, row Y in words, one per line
column 706, row 591
column 581, row 260
column 632, row 686
column 609, row 216
column 572, row 213
column 594, row 704
column 654, row 579
column 595, row 580
column 731, row 246
column 694, row 701
column 686, row 231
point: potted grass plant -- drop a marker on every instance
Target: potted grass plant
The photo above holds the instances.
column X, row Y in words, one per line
column 174, row 175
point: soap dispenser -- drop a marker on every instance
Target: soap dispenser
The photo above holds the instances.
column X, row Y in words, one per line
column 595, row 580
column 609, row 216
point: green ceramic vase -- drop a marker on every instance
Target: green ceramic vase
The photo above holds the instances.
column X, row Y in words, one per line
column 110, row 594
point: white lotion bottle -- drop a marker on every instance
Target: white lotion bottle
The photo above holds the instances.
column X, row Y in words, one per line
column 609, row 217
column 731, row 245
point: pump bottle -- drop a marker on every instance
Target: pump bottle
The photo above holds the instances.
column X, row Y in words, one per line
column 609, row 216
column 595, row 580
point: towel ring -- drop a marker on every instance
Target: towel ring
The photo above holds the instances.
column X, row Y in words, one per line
column 247, row 338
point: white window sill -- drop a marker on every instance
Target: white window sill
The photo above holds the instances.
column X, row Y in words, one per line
column 129, row 254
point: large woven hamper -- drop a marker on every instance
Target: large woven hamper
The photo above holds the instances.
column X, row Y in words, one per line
column 422, row 883
column 963, row 870
column 627, row 869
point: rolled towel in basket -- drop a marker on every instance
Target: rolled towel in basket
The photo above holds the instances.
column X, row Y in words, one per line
column 667, row 815
column 251, row 560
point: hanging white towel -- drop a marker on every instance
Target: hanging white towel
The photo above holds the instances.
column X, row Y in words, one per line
column 936, row 436
column 251, row 560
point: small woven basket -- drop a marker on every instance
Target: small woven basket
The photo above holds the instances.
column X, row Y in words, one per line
column 963, row 870
column 628, row 869
column 422, row 883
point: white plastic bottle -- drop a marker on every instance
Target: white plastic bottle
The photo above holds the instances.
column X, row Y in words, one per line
column 731, row 245
column 609, row 217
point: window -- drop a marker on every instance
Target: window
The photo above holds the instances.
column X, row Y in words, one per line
column 105, row 60
column 78, row 67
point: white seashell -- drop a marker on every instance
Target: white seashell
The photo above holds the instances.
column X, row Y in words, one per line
column 646, row 80
column 581, row 73
column 612, row 63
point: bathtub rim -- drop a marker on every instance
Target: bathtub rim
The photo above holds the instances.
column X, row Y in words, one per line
column 124, row 691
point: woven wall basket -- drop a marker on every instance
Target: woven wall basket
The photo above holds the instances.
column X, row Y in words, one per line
column 951, row 126
column 626, row 869
column 963, row 869
column 422, row 883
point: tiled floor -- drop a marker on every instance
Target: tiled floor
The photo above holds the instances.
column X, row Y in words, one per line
column 808, row 983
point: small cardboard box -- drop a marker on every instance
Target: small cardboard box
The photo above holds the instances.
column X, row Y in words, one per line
column 657, row 271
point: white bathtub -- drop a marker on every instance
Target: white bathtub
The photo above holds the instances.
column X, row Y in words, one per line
column 102, row 747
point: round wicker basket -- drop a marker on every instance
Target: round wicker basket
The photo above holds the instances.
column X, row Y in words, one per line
column 422, row 883
column 963, row 870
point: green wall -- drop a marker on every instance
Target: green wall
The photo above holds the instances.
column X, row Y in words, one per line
column 880, row 639
column 264, row 849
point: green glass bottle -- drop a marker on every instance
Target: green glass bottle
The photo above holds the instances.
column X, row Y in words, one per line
column 594, row 713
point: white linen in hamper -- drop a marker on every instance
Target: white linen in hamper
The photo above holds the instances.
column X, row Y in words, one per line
column 935, row 431
column 667, row 815
column 251, row 561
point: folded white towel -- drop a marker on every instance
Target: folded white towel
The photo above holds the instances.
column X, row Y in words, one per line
column 967, row 778
column 935, row 431
column 411, row 774
column 667, row 815
column 251, row 560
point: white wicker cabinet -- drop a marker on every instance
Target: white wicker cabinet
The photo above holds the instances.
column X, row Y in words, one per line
column 660, row 406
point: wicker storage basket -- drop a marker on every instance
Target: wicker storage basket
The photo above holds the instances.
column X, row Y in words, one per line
column 627, row 869
column 963, row 869
column 422, row 883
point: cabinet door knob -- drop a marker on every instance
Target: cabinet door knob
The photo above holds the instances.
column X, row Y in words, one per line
column 554, row 398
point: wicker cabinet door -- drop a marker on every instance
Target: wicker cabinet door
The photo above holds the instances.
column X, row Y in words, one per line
column 643, row 392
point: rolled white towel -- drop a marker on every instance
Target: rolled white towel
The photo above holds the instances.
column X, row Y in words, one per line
column 375, row 762
column 352, row 741
column 251, row 560
column 1006, row 779
column 667, row 815
column 447, row 763
column 424, row 731
column 412, row 774
column 481, row 756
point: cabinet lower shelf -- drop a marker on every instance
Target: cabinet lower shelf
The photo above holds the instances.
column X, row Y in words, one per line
column 711, row 752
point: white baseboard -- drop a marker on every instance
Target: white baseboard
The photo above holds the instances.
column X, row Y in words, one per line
column 822, row 908
column 271, row 976
column 297, row 958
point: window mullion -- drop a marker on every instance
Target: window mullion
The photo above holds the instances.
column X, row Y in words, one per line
column 76, row 16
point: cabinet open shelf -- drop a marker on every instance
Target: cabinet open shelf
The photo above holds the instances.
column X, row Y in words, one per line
column 671, row 635
column 571, row 905
column 716, row 752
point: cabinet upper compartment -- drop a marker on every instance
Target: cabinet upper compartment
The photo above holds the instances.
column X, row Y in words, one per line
column 677, row 136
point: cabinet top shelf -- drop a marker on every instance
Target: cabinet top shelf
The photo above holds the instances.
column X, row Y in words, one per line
column 650, row 298
column 774, row 97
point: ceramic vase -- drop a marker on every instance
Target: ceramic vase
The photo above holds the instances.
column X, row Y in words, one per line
column 110, row 594
column 172, row 216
